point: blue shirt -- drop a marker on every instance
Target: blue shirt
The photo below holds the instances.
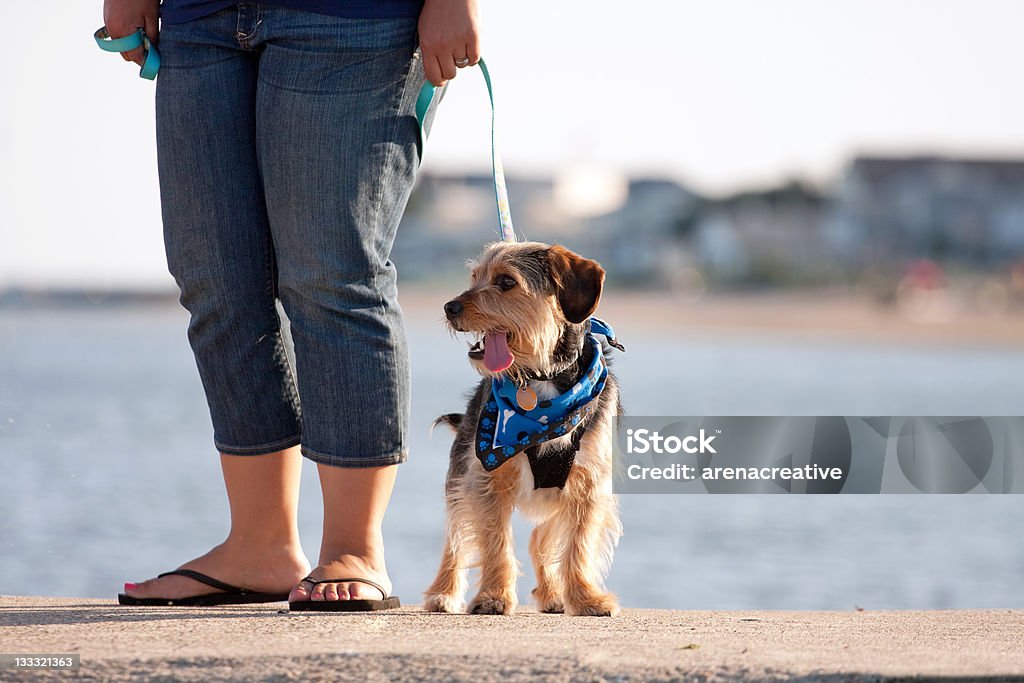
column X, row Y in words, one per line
column 181, row 11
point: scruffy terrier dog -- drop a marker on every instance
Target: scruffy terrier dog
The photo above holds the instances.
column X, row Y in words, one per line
column 536, row 435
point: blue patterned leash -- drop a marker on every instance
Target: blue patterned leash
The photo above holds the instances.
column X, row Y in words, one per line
column 426, row 96
column 130, row 42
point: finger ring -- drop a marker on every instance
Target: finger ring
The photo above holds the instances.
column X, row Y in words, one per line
column 462, row 62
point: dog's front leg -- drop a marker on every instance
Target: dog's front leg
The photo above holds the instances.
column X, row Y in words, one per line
column 492, row 499
column 543, row 552
column 587, row 554
column 588, row 528
column 447, row 592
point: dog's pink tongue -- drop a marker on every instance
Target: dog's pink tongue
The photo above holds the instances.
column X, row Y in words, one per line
column 497, row 357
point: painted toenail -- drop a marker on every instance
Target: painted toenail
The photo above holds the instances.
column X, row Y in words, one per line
column 130, row 586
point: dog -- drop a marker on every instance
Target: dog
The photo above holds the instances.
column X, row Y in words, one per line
column 529, row 306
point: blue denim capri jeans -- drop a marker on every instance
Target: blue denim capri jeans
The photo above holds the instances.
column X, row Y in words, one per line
column 288, row 146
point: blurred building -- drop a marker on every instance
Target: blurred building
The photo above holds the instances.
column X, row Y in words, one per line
column 882, row 214
column 629, row 225
column 767, row 237
column 969, row 211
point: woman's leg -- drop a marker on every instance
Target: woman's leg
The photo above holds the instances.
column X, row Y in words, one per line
column 338, row 152
column 220, row 251
column 262, row 550
column 352, row 545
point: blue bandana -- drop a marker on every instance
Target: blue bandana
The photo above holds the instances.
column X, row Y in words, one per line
column 505, row 429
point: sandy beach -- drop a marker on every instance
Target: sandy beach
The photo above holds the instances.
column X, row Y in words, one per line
column 820, row 316
column 267, row 643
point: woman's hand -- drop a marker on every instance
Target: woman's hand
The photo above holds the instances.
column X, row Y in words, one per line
column 125, row 17
column 449, row 38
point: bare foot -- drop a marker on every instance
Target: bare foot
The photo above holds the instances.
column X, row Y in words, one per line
column 256, row 568
column 345, row 566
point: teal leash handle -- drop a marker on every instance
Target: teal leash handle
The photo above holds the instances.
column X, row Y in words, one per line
column 150, row 66
column 426, row 96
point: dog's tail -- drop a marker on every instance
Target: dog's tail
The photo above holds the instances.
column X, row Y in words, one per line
column 453, row 420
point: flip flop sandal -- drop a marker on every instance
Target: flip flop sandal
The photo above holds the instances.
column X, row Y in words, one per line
column 353, row 605
column 232, row 595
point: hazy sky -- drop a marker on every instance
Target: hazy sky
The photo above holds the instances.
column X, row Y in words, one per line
column 716, row 94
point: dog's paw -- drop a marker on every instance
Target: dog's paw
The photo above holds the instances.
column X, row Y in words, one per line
column 551, row 607
column 547, row 603
column 492, row 604
column 596, row 606
column 441, row 602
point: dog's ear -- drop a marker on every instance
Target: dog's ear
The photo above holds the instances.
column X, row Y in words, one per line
column 578, row 282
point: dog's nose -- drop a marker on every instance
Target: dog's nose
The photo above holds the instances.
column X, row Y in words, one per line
column 453, row 308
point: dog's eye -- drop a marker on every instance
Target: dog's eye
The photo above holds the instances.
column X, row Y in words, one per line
column 505, row 282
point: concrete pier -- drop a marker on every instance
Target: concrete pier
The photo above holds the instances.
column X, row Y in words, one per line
column 267, row 643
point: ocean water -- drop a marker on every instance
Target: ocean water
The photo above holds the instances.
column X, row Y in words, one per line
column 109, row 473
